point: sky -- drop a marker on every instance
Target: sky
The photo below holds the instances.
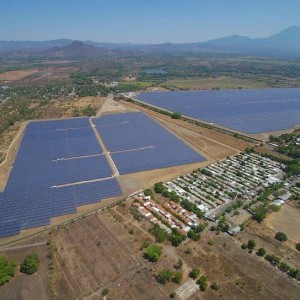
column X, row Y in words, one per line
column 144, row 21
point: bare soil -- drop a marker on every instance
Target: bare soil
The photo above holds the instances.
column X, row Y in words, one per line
column 22, row 286
column 16, row 75
column 287, row 220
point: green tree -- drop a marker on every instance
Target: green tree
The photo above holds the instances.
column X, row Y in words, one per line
column 164, row 276
column 30, row 264
column 153, row 253
column 7, row 270
column 159, row 187
column 179, row 264
column 176, row 238
column 176, row 115
column 105, row 292
column 202, row 281
column 280, row 236
column 195, row 272
column 177, row 277
column 251, row 244
column 159, row 233
column 261, row 252
column 298, row 246
column 193, row 235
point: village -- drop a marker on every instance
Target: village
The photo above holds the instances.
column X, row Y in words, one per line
column 233, row 188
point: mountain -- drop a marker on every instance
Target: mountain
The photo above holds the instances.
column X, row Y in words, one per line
column 77, row 49
column 284, row 43
column 6, row 46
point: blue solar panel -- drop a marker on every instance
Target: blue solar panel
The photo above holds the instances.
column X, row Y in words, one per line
column 251, row 111
column 95, row 191
column 54, row 153
column 137, row 143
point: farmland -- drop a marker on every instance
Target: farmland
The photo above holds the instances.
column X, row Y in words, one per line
column 222, row 83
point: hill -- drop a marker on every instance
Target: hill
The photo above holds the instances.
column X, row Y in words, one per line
column 284, row 43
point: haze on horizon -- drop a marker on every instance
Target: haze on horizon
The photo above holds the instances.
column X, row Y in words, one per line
column 137, row 21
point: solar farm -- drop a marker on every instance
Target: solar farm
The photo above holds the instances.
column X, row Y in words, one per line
column 250, row 111
column 61, row 165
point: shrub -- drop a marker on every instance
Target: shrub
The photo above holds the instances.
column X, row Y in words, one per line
column 105, row 292
column 153, row 253
column 280, row 236
column 194, row 273
column 193, row 235
column 173, row 295
column 176, row 238
column 30, row 264
column 202, row 281
column 251, row 244
column 261, row 252
column 215, row 286
column 159, row 233
column 7, row 270
column 176, row 115
column 164, row 276
column 177, row 277
column 298, row 246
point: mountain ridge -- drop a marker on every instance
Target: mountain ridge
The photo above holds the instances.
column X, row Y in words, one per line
column 286, row 42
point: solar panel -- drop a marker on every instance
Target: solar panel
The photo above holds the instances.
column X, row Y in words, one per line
column 54, row 153
column 251, row 111
column 137, row 143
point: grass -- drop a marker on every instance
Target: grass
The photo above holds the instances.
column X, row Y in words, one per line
column 221, row 82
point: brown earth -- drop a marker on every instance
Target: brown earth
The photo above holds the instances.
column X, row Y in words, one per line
column 16, row 75
column 264, row 236
column 99, row 252
column 22, row 286
column 287, row 220
column 239, row 274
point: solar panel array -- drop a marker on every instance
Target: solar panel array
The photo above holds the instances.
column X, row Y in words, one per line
column 52, row 154
column 60, row 165
column 137, row 143
column 251, row 111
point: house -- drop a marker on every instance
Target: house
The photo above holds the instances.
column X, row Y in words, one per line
column 285, row 196
column 234, row 230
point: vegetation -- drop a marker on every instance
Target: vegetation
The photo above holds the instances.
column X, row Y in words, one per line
column 30, row 264
column 192, row 207
column 203, row 282
column 261, row 252
column 164, row 276
column 176, row 115
column 195, row 272
column 177, row 277
column 251, row 244
column 105, row 292
column 153, row 253
column 298, row 246
column 215, row 286
column 193, row 235
column 7, row 270
column 176, row 238
column 280, row 236
column 159, row 233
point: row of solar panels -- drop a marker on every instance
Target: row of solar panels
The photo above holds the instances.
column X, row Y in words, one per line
column 251, row 111
column 141, row 144
column 36, row 209
column 54, row 153
column 63, row 152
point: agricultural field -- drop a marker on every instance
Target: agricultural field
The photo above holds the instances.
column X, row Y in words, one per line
column 221, row 83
